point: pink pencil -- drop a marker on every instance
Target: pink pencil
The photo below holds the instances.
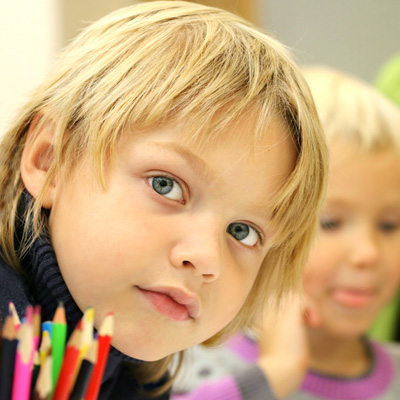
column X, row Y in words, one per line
column 24, row 359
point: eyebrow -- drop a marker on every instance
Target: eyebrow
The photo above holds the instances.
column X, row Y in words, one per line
column 195, row 162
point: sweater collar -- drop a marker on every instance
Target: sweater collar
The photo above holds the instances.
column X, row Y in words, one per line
column 368, row 386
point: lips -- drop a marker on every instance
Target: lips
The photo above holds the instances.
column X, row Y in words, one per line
column 174, row 303
column 353, row 298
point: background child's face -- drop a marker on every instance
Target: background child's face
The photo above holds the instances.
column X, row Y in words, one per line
column 175, row 226
column 354, row 268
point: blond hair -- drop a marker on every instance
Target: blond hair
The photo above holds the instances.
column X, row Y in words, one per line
column 160, row 61
column 353, row 111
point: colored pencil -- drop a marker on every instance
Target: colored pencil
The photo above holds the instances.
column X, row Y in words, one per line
column 44, row 383
column 58, row 337
column 13, row 311
column 45, row 346
column 67, row 372
column 87, row 322
column 7, row 360
column 36, row 326
column 47, row 326
column 85, row 371
column 104, row 338
column 35, row 372
column 24, row 359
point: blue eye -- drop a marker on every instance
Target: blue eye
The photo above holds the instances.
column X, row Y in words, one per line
column 243, row 233
column 166, row 187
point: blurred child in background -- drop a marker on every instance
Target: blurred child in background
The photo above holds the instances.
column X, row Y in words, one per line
column 353, row 271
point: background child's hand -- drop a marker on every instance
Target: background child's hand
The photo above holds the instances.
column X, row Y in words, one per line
column 283, row 346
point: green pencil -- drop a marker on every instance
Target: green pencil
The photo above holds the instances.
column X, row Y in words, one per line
column 58, row 338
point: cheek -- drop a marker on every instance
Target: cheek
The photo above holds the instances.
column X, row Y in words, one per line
column 316, row 278
column 229, row 297
column 391, row 280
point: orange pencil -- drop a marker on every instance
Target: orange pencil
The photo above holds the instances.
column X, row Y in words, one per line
column 67, row 372
column 104, row 342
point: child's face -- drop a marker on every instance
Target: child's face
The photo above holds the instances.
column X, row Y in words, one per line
column 354, row 268
column 174, row 244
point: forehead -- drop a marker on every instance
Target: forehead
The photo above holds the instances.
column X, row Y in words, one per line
column 231, row 145
column 252, row 170
column 363, row 176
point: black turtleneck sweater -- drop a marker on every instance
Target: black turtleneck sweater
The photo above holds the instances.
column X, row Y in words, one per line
column 42, row 283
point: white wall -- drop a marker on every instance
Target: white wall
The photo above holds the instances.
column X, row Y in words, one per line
column 29, row 40
column 356, row 36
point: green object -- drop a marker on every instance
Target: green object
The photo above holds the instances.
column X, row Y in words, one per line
column 384, row 327
column 388, row 79
column 58, row 338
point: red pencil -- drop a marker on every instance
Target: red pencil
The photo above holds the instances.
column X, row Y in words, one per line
column 67, row 372
column 104, row 338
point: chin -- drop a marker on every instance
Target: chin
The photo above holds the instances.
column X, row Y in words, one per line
column 145, row 351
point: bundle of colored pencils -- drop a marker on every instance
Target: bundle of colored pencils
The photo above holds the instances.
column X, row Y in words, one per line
column 37, row 363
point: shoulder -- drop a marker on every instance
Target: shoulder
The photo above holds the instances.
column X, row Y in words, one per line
column 12, row 288
column 203, row 364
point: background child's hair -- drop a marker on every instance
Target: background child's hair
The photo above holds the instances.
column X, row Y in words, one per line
column 200, row 67
column 354, row 111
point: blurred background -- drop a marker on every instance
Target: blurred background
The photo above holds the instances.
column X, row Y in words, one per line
column 356, row 36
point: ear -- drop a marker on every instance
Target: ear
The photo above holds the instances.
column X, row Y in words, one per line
column 37, row 157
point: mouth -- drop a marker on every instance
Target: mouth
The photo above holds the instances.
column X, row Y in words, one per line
column 353, row 298
column 174, row 303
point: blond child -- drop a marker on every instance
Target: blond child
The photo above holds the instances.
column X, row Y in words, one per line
column 161, row 173
column 352, row 273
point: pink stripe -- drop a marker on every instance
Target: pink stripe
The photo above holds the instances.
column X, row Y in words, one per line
column 243, row 346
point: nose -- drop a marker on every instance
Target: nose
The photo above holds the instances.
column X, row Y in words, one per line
column 364, row 248
column 200, row 247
